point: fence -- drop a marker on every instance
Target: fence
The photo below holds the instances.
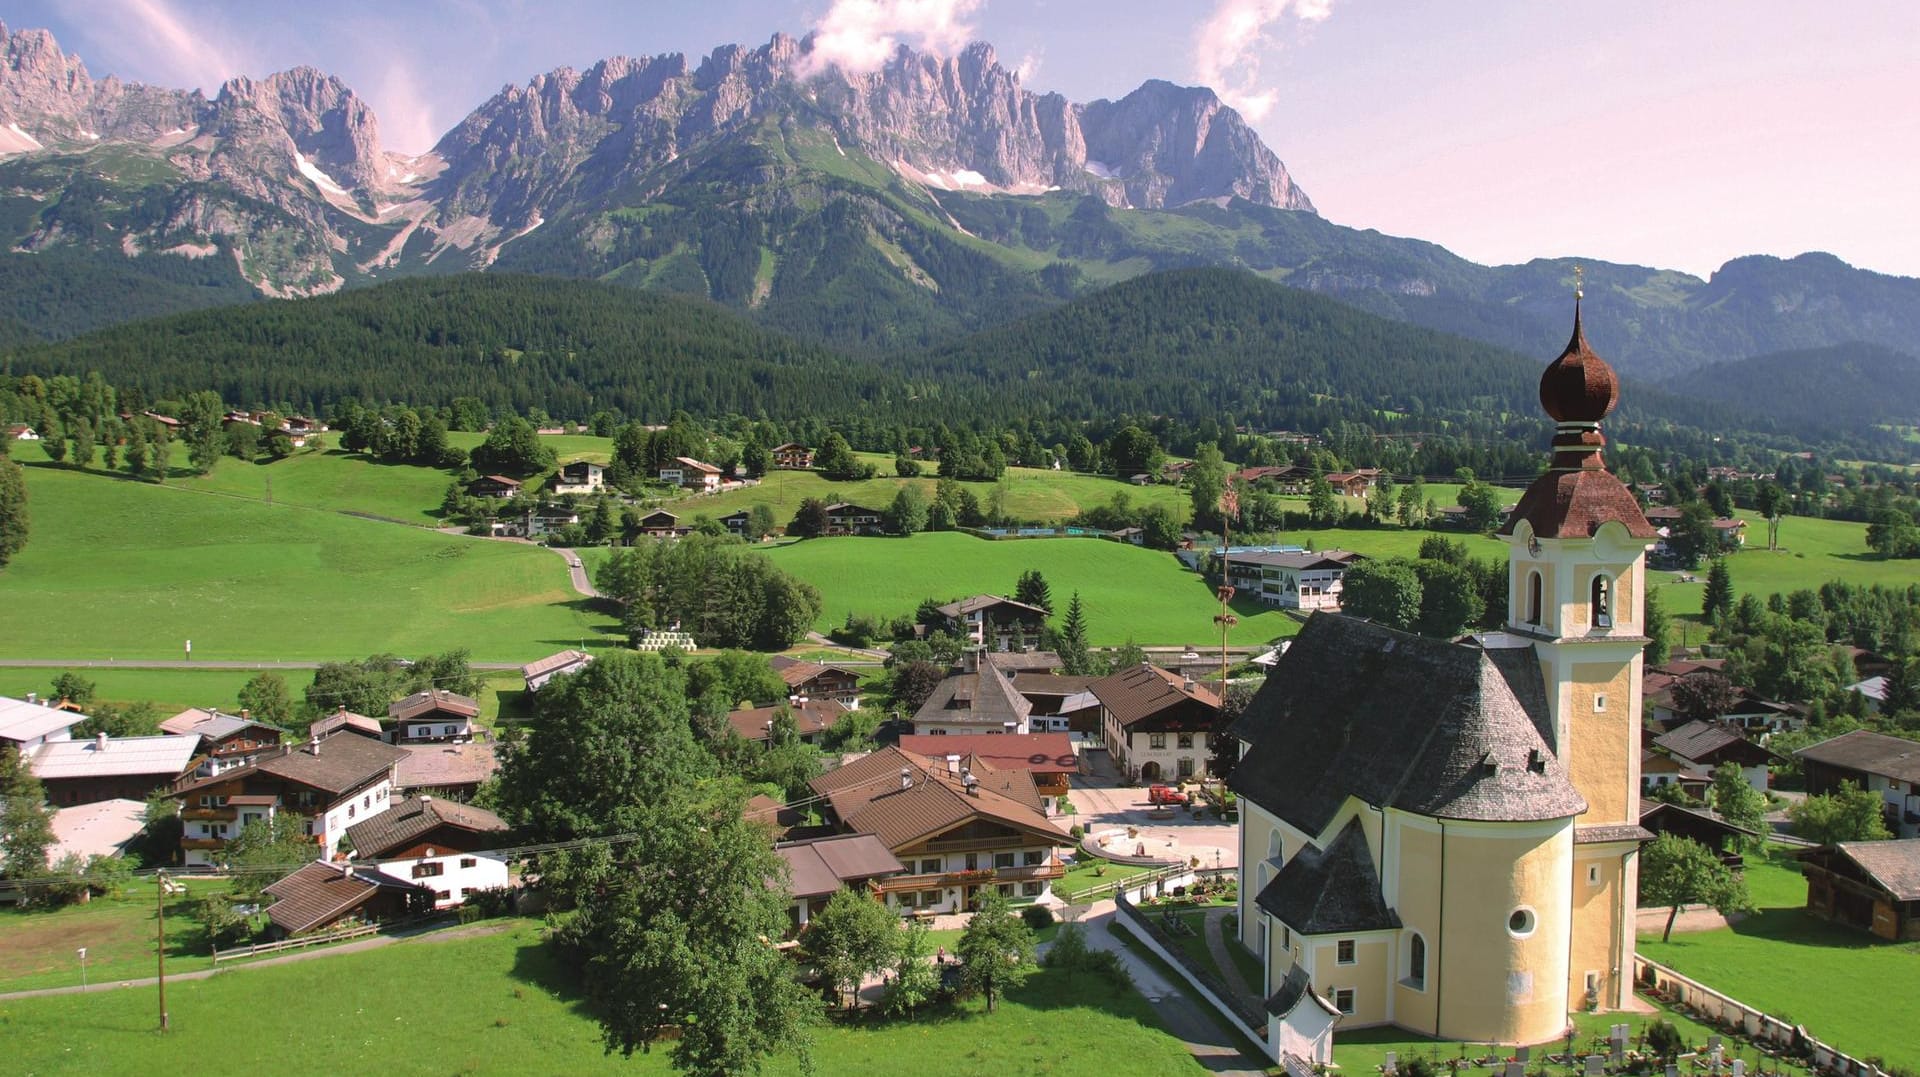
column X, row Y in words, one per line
column 1238, row 1014
column 1757, row 1025
column 257, row 949
column 1100, row 890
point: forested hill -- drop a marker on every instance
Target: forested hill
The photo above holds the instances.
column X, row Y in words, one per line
column 1229, row 343
column 1816, row 391
column 570, row 347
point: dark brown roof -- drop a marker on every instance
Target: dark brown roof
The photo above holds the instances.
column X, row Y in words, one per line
column 1579, row 386
column 1894, row 865
column 321, row 892
column 1014, row 663
column 430, row 701
column 1442, row 729
column 813, row 716
column 818, row 867
column 1654, row 815
column 1144, row 691
column 986, row 697
column 868, row 797
column 340, row 763
column 411, row 817
column 1331, row 890
column 796, row 673
column 1036, row 753
column 762, row 808
column 1870, row 753
column 1711, row 742
column 1573, row 504
column 981, row 602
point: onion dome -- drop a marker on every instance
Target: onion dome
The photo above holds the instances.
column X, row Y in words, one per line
column 1579, row 387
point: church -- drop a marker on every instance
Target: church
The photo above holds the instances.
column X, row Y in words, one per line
column 1443, row 835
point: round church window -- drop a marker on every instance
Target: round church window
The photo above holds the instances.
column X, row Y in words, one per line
column 1521, row 923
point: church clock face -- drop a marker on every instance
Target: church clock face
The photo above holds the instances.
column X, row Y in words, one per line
column 1533, row 545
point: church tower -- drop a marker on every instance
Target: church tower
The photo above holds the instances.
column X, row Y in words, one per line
column 1578, row 561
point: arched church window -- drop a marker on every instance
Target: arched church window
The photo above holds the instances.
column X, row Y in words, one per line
column 1533, row 598
column 1602, row 602
column 1417, row 961
column 1273, row 845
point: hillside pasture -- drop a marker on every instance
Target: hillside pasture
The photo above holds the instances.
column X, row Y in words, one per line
column 128, row 570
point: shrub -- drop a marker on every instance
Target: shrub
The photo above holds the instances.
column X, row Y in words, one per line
column 490, row 902
column 1037, row 916
column 1078, row 832
column 1664, row 1040
column 1417, row 1067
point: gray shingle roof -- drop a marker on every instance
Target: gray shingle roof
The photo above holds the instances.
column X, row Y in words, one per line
column 1448, row 730
column 1870, row 753
column 408, row 819
column 1332, row 890
column 1895, row 865
column 986, row 697
column 1294, row 988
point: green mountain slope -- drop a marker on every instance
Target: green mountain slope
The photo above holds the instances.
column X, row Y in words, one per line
column 1816, row 391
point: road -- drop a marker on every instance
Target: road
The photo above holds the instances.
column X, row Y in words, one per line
column 578, row 573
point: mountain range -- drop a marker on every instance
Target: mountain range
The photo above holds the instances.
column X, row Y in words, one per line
column 897, row 209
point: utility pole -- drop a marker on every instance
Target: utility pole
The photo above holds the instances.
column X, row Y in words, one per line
column 160, row 937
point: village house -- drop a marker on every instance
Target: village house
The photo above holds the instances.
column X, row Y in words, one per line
column 979, row 698
column 1706, row 745
column 1301, row 581
column 1062, row 703
column 818, row 868
column 226, row 740
column 494, row 486
column 1701, row 825
column 811, row 719
column 663, row 524
column 954, row 831
column 433, row 715
column 22, row 432
column 1048, row 758
column 996, row 623
column 737, row 523
column 26, row 724
column 792, row 456
column 452, row 771
column 579, row 477
column 331, row 782
column 537, row 674
column 347, row 720
column 812, row 680
column 323, row 894
column 1871, row 885
column 1888, row 766
column 1659, row 768
column 1444, row 836
column 111, row 768
column 1158, row 725
column 437, row 844
column 692, row 474
column 847, row 518
column 1352, row 483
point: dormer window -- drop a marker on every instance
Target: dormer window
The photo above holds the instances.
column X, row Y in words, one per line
column 1602, row 602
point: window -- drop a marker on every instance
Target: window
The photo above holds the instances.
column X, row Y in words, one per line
column 1417, row 962
column 469, row 861
column 1521, row 922
column 1034, row 858
column 936, row 732
column 428, row 869
column 1184, row 740
column 973, row 861
column 349, row 811
column 1533, row 598
column 367, row 801
column 1602, row 613
column 1003, row 860
column 928, row 898
column 1031, row 889
column 1286, row 937
column 1156, row 740
column 1006, row 889
column 1599, row 702
column 446, row 731
column 1343, row 1000
column 1273, row 845
column 1343, row 951
column 1186, row 766
column 1593, row 875
column 930, row 867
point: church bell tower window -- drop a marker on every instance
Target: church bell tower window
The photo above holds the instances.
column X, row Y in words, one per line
column 1601, row 598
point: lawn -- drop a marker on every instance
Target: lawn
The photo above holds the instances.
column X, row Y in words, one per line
column 1812, row 552
column 1094, row 872
column 171, row 690
column 1362, row 1051
column 498, row 1003
column 127, row 570
column 37, row 949
column 1847, row 987
column 1129, row 592
column 336, row 480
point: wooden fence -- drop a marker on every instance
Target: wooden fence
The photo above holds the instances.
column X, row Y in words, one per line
column 238, row 952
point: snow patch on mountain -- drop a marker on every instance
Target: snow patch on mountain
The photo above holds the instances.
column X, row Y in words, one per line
column 320, row 179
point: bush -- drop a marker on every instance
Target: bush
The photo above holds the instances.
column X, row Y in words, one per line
column 1078, row 832
column 1664, row 1040
column 490, row 902
column 1037, row 916
column 1417, row 1067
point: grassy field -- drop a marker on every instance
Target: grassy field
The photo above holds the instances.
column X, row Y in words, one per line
column 1847, row 987
column 1128, row 591
column 1812, row 552
column 127, row 570
column 37, row 949
column 1362, row 1051
column 171, row 690
column 498, row 1003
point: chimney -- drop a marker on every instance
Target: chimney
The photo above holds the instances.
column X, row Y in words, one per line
column 99, row 742
column 953, row 764
column 906, row 777
column 313, row 743
column 33, row 697
column 972, row 783
column 245, row 714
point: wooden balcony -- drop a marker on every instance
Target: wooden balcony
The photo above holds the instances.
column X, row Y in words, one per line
column 982, row 877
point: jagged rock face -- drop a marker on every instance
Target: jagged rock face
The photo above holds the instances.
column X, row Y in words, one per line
column 1179, row 144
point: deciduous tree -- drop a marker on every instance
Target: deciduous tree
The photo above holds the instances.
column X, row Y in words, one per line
column 853, row 937
column 1738, row 802
column 1386, row 592
column 1847, row 814
column 996, row 949
column 1676, row 871
column 14, row 523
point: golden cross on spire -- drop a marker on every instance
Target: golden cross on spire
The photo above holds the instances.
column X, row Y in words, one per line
column 1579, row 282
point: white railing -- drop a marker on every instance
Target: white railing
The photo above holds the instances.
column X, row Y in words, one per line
column 1755, row 1024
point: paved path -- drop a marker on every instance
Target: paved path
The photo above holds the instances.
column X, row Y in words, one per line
column 578, row 573
column 1189, row 1018
column 862, row 652
column 1223, row 958
column 354, row 947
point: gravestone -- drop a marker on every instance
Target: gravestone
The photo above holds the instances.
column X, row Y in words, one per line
column 1596, row 1066
column 1390, row 1064
column 1516, row 1069
column 1522, row 1055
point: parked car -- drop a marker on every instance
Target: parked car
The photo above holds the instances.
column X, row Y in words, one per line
column 1165, row 794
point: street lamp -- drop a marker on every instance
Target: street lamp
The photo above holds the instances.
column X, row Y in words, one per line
column 83, row 968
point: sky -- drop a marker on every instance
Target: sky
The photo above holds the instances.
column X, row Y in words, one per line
column 1677, row 135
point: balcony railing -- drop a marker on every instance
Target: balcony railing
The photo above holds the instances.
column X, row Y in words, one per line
column 977, row 877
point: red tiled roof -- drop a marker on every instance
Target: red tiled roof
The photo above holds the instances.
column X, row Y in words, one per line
column 1035, row 753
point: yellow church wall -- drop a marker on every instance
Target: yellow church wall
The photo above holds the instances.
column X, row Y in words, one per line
column 1258, row 829
column 1625, row 589
column 1417, row 900
column 1366, row 976
column 1603, row 745
column 1492, row 986
column 1602, row 925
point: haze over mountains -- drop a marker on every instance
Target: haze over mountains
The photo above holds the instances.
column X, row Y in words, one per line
column 901, row 208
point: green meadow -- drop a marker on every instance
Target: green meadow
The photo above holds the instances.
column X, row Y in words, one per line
column 171, row 690
column 128, row 570
column 499, row 1003
column 1128, row 592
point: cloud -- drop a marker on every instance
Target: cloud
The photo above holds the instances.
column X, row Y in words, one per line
column 861, row 35
column 155, row 38
column 1030, row 65
column 1229, row 47
column 406, row 115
